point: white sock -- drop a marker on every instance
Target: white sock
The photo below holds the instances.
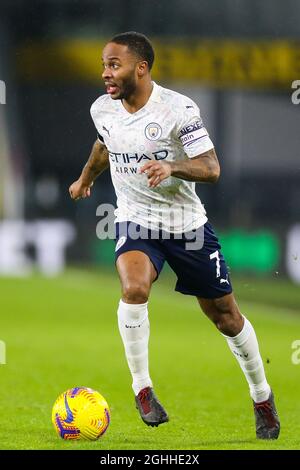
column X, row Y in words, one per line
column 245, row 348
column 135, row 330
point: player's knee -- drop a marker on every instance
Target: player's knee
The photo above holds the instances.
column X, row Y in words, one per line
column 135, row 292
column 229, row 324
column 226, row 316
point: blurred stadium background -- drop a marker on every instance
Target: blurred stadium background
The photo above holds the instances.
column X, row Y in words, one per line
column 237, row 59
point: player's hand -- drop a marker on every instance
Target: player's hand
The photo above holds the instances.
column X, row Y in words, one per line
column 78, row 190
column 156, row 172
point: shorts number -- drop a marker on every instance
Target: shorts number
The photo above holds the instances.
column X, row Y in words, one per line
column 216, row 256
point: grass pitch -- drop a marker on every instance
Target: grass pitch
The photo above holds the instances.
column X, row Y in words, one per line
column 62, row 333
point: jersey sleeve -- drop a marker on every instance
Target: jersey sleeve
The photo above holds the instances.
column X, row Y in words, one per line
column 191, row 131
column 95, row 112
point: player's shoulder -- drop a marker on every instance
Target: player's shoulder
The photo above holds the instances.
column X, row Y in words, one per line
column 101, row 104
column 174, row 98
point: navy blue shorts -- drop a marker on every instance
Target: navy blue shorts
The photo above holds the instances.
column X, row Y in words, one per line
column 198, row 263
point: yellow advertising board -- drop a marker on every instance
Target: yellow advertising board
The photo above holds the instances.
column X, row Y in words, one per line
column 220, row 63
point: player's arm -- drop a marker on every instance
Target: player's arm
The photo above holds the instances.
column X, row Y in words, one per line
column 98, row 162
column 203, row 168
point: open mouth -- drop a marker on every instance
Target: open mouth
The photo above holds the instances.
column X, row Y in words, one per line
column 111, row 88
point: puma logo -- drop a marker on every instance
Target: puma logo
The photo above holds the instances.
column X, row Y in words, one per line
column 223, row 281
column 106, row 130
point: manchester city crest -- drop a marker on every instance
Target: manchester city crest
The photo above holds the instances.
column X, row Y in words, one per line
column 153, row 131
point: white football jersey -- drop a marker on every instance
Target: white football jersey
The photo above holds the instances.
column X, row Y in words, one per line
column 168, row 128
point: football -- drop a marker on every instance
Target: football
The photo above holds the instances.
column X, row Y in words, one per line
column 80, row 413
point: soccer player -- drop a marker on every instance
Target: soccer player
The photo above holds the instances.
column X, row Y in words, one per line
column 154, row 141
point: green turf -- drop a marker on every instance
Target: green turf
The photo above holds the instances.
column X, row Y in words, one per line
column 62, row 333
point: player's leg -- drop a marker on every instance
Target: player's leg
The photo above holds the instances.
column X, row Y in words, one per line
column 242, row 341
column 137, row 273
column 202, row 272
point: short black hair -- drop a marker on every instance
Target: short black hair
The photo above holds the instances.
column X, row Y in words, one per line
column 138, row 43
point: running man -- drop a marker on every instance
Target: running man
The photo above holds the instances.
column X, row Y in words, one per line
column 154, row 141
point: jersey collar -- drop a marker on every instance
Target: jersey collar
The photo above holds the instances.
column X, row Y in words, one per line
column 155, row 95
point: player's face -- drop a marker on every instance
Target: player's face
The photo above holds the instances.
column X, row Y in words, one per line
column 120, row 72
